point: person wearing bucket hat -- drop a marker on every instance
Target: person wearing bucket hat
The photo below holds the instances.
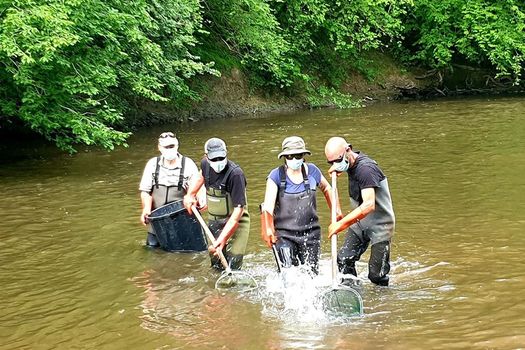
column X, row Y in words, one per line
column 372, row 220
column 164, row 180
column 289, row 212
column 227, row 204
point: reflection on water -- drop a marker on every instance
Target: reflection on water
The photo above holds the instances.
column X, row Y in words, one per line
column 75, row 274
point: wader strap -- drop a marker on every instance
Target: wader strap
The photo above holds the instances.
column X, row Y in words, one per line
column 206, row 169
column 231, row 166
column 282, row 184
column 181, row 175
column 282, row 176
column 156, row 174
column 305, row 179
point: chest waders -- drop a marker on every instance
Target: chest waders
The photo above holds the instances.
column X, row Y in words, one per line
column 375, row 229
column 162, row 194
column 378, row 225
column 297, row 224
column 220, row 208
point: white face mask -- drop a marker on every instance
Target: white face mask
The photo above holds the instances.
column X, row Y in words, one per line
column 341, row 166
column 294, row 164
column 170, row 153
column 219, row 165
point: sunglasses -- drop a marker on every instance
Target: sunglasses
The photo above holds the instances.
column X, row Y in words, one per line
column 218, row 159
column 292, row 156
column 340, row 157
column 166, row 134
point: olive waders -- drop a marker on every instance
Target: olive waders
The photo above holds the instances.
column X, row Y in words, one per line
column 220, row 208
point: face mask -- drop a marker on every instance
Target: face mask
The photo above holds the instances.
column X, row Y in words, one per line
column 219, row 165
column 341, row 166
column 169, row 153
column 294, row 164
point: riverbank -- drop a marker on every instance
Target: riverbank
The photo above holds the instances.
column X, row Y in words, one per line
column 383, row 80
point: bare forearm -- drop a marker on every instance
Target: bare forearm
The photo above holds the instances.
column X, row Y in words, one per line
column 231, row 225
column 146, row 200
column 358, row 214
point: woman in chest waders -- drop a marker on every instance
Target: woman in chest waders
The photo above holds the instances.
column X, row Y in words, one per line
column 229, row 220
column 289, row 211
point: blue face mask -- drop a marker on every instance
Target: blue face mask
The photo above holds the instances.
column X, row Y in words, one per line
column 219, row 165
column 341, row 166
column 294, row 164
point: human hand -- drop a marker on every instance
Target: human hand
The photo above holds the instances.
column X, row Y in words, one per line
column 189, row 201
column 339, row 215
column 332, row 169
column 215, row 247
column 144, row 216
column 334, row 228
column 269, row 237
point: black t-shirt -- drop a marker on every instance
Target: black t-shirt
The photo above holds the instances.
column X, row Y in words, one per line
column 365, row 173
column 235, row 184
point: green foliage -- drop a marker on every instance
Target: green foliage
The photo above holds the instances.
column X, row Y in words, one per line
column 249, row 29
column 69, row 69
column 326, row 35
column 330, row 97
column 68, row 66
column 481, row 32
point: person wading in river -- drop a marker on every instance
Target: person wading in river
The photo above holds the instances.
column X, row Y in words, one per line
column 165, row 180
column 289, row 211
column 229, row 220
column 372, row 220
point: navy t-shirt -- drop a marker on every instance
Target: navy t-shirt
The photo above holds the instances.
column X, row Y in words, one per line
column 365, row 173
column 314, row 178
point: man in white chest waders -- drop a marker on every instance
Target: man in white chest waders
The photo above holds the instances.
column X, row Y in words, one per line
column 165, row 179
column 372, row 220
column 227, row 205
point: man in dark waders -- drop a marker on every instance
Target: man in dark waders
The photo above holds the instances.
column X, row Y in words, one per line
column 165, row 180
column 229, row 220
column 372, row 220
column 289, row 211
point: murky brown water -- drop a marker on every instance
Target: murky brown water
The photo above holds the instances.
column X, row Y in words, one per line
column 74, row 273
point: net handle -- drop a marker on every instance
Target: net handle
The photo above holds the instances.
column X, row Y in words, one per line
column 334, row 236
column 210, row 237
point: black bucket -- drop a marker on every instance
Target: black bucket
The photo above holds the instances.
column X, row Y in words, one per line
column 176, row 230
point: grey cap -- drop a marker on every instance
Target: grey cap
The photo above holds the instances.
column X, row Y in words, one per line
column 293, row 145
column 214, row 148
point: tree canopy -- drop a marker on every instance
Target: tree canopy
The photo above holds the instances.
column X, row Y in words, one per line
column 68, row 69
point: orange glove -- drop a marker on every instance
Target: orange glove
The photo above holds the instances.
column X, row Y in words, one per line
column 267, row 228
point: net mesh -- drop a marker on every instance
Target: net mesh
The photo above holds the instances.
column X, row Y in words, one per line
column 343, row 301
column 236, row 281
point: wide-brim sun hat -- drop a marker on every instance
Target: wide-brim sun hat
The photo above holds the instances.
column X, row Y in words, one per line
column 293, row 145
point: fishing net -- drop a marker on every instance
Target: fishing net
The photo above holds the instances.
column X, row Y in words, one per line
column 238, row 281
column 342, row 300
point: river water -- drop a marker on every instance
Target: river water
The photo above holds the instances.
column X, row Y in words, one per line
column 74, row 272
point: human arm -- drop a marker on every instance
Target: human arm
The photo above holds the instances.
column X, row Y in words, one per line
column 145, row 188
column 229, row 229
column 147, row 202
column 268, row 228
column 194, row 186
column 368, row 206
column 327, row 192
